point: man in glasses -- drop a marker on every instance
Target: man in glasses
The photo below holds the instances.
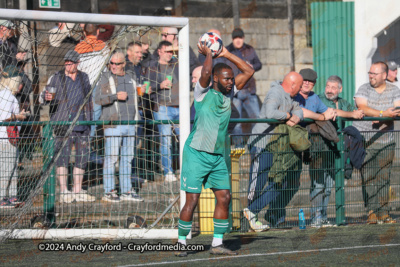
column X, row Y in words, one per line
column 377, row 98
column 71, row 87
column 118, row 98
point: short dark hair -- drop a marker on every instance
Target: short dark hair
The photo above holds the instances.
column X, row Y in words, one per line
column 91, row 29
column 219, row 67
column 384, row 66
column 163, row 43
column 137, row 43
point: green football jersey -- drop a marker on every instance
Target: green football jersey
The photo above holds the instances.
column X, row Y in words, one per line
column 211, row 123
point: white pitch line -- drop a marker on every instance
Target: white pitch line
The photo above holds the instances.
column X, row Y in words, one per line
column 262, row 254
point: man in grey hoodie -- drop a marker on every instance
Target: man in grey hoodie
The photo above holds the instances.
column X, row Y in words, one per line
column 278, row 104
column 118, row 99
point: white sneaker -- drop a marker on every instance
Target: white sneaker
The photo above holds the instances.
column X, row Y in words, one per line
column 67, row 197
column 112, row 196
column 254, row 224
column 170, row 177
column 131, row 196
column 84, row 197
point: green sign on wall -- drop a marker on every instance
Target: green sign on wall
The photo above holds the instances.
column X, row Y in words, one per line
column 49, row 3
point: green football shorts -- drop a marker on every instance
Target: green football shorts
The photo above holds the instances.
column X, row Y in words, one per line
column 199, row 167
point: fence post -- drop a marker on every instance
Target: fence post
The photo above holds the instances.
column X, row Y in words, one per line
column 339, row 178
column 49, row 188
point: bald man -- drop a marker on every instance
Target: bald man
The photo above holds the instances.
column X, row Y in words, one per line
column 278, row 104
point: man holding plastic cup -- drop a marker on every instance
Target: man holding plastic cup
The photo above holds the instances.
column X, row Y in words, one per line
column 163, row 75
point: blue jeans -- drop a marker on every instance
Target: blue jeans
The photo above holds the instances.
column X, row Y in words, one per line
column 122, row 137
column 249, row 102
column 166, row 113
column 320, row 192
column 277, row 196
column 96, row 113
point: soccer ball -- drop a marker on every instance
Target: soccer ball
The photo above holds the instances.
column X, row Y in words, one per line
column 212, row 41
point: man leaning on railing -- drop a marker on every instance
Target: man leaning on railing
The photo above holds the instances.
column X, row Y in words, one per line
column 377, row 98
column 278, row 104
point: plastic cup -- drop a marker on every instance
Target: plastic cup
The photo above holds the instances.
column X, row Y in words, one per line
column 52, row 91
column 139, row 89
column 169, row 77
column 147, row 85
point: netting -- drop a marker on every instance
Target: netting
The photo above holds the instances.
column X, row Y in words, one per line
column 89, row 160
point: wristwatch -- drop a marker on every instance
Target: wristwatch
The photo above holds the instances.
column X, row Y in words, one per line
column 381, row 113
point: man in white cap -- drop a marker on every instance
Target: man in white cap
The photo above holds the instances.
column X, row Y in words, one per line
column 8, row 50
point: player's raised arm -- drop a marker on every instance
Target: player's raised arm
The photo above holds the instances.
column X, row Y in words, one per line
column 246, row 69
column 206, row 71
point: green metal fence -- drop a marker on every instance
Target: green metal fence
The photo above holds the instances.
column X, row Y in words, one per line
column 346, row 203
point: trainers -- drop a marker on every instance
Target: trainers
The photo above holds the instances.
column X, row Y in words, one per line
column 14, row 200
column 131, row 196
column 170, row 177
column 254, row 224
column 67, row 197
column 84, row 197
column 372, row 218
column 6, row 204
column 221, row 250
column 111, row 196
column 326, row 223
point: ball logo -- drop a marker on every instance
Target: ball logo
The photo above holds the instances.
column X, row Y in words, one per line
column 212, row 41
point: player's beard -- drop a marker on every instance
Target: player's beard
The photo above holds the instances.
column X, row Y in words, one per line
column 221, row 88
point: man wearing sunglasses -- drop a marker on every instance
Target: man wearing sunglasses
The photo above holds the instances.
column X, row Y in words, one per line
column 118, row 98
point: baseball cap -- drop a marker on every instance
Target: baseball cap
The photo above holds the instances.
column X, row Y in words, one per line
column 71, row 55
column 238, row 32
column 392, row 65
column 6, row 23
column 309, row 75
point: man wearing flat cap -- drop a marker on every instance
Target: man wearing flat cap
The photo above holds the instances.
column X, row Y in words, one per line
column 71, row 88
column 392, row 73
column 245, row 98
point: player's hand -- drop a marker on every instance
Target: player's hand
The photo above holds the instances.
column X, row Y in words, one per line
column 122, row 96
column 166, row 84
column 203, row 49
column 294, row 120
column 391, row 112
column 223, row 53
column 358, row 114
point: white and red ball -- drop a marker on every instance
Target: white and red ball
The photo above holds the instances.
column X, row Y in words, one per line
column 212, row 41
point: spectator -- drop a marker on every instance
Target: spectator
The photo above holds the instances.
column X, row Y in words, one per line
column 322, row 180
column 170, row 34
column 377, row 98
column 94, row 54
column 8, row 50
column 278, row 104
column 392, row 73
column 72, row 86
column 247, row 97
column 167, row 98
column 8, row 152
column 118, row 98
column 144, row 40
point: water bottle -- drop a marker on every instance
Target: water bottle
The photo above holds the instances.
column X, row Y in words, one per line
column 302, row 221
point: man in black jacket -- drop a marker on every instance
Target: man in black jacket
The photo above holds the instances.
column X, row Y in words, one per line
column 247, row 97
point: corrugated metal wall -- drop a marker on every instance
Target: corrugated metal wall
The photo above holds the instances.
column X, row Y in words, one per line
column 333, row 44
